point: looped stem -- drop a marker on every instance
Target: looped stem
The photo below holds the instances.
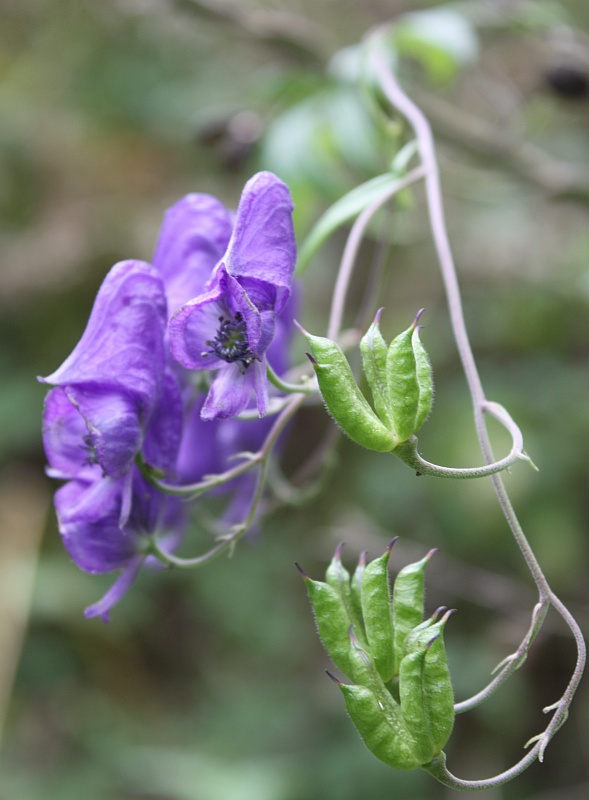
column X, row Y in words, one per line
column 407, row 452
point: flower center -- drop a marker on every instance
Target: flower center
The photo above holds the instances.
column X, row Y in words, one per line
column 231, row 343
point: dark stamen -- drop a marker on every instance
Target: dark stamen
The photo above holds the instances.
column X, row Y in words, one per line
column 231, row 343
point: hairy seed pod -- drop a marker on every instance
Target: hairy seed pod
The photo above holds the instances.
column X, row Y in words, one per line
column 377, row 614
column 413, row 701
column 438, row 687
column 403, row 385
column 344, row 400
column 356, row 585
column 385, row 734
column 333, row 624
column 338, row 577
column 432, row 685
column 374, row 359
column 425, row 381
column 410, row 382
column 408, row 602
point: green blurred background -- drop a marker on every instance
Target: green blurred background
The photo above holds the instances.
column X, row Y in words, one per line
column 210, row 685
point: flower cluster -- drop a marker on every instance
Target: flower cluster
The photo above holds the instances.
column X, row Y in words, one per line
column 209, row 302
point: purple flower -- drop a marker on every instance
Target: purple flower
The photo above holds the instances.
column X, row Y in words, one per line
column 229, row 326
column 193, row 238
column 115, row 397
column 114, row 375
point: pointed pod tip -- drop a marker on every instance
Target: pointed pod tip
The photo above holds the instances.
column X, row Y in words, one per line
column 337, row 556
column 447, row 615
column 377, row 316
column 333, row 678
column 417, row 316
column 362, row 558
column 302, row 571
column 430, row 553
column 437, row 613
column 391, row 544
column 300, row 327
column 312, row 360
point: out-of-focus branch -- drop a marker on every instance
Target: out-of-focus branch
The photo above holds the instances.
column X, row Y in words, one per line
column 293, row 35
column 556, row 177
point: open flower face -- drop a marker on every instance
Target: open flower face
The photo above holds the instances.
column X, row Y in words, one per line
column 229, row 327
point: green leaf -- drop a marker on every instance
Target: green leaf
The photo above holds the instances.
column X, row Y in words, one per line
column 442, row 39
column 346, row 208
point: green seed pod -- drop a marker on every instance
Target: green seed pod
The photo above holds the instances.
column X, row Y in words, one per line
column 410, row 382
column 356, row 585
column 413, row 701
column 333, row 624
column 374, row 359
column 438, row 687
column 419, row 631
column 425, row 689
column 403, row 385
column 381, row 727
column 408, row 602
column 377, row 614
column 425, row 380
column 338, row 577
column 344, row 400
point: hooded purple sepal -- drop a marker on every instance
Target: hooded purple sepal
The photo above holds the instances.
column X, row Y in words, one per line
column 193, row 237
column 262, row 245
column 230, row 326
column 114, row 375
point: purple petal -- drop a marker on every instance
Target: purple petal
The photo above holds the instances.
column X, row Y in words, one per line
column 88, row 516
column 193, row 238
column 262, row 245
column 230, row 392
column 162, row 440
column 193, row 325
column 239, row 301
column 201, row 453
column 119, row 588
column 260, row 381
column 113, row 424
column 122, row 345
column 64, row 433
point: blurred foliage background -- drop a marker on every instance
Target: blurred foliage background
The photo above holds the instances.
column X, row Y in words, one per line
column 210, row 685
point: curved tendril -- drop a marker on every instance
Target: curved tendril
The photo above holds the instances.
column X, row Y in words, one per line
column 509, row 664
column 407, row 452
column 417, row 120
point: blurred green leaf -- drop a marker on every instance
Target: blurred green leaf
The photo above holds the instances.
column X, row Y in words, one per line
column 442, row 39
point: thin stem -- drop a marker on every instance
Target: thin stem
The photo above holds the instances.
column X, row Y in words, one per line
column 192, row 490
column 407, row 452
column 229, row 541
column 421, row 127
column 509, row 664
column 438, row 769
column 352, row 246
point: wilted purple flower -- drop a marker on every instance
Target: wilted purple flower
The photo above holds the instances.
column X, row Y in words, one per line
column 229, row 326
column 115, row 397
